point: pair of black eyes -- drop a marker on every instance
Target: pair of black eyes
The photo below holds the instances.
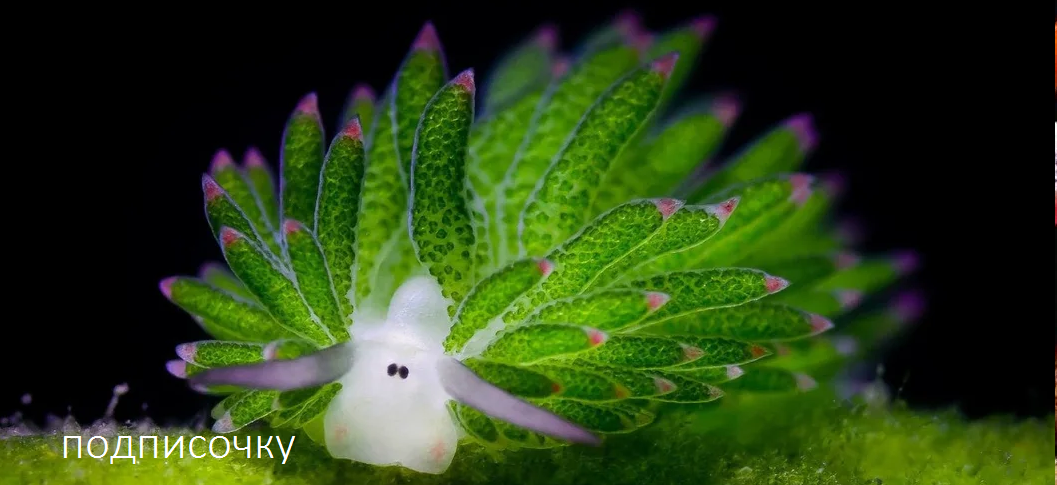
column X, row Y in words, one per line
column 392, row 370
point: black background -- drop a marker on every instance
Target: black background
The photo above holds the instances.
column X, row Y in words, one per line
column 173, row 90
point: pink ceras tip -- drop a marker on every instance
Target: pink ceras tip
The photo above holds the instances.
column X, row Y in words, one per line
column 820, row 324
column 221, row 160
column 545, row 266
column 596, row 337
column 228, row 236
column 655, row 300
column 362, row 92
column 465, row 79
column 724, row 209
column 703, row 25
column 308, row 105
column 165, row 286
column 909, row 306
column 665, row 64
column 547, row 37
column 291, row 226
column 726, row 108
column 906, row 262
column 186, row 351
column 775, row 284
column 667, row 207
column 353, row 129
column 211, row 188
column 803, row 128
column 427, row 38
column 253, row 158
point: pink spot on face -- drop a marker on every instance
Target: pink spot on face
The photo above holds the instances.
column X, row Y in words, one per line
column 782, row 350
column 820, row 324
column 438, row 450
column 596, row 337
column 211, row 188
column 340, row 433
column 186, row 352
column 665, row 65
column 165, row 286
column 724, row 209
column 726, row 108
column 805, row 382
column 801, row 184
column 465, row 79
column 556, row 388
column 664, row 386
column 621, row 392
column 845, row 260
column 560, row 67
column 353, row 129
column 775, row 284
column 703, row 26
column 308, row 105
column 291, row 226
column 547, row 37
column 715, row 392
column 906, row 262
column 427, row 38
column 692, row 353
column 545, row 267
column 362, row 92
column 758, row 351
column 655, row 300
column 667, row 207
column 849, row 298
column 177, row 368
column 734, row 372
column 229, row 236
column 253, row 158
column 803, row 128
column 222, row 160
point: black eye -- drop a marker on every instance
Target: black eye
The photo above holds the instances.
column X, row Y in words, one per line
column 391, row 370
column 403, row 372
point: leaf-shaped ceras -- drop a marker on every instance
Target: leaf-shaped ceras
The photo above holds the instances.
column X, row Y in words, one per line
column 441, row 220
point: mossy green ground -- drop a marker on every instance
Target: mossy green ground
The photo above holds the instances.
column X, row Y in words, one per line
column 802, row 439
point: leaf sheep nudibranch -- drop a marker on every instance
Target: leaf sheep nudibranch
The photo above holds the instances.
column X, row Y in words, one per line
column 544, row 271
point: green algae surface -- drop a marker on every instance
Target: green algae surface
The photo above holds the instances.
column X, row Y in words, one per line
column 781, row 439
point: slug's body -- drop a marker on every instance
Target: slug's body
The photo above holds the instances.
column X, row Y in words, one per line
column 392, row 409
column 548, row 289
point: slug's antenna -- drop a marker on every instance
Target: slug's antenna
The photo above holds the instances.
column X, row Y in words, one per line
column 322, row 367
column 463, row 385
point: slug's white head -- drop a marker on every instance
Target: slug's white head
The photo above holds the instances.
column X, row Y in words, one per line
column 392, row 408
column 396, row 383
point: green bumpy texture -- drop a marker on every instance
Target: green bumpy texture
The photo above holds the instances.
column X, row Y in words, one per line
column 563, row 197
column 337, row 210
column 442, row 225
column 555, row 117
column 592, row 267
column 302, row 159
